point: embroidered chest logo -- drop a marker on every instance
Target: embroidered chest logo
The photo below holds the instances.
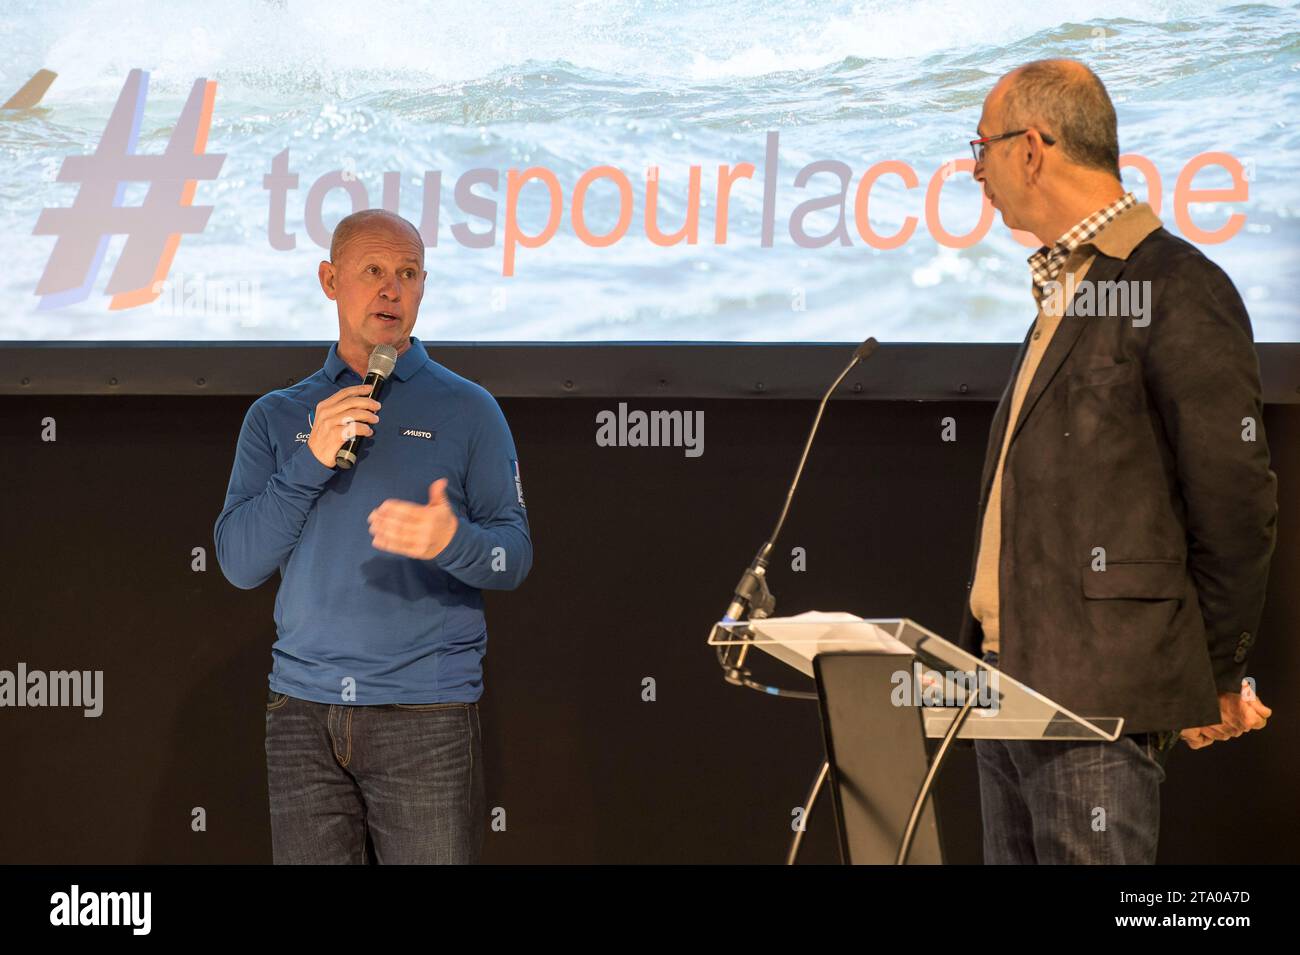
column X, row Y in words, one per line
column 414, row 433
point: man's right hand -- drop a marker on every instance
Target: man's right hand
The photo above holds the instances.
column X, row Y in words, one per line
column 1240, row 712
column 339, row 418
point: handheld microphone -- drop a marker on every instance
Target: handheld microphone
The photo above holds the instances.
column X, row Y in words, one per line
column 382, row 361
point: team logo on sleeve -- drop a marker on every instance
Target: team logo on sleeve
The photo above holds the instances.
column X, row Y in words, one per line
column 519, row 485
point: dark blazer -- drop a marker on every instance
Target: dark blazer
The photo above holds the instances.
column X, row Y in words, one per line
column 1130, row 439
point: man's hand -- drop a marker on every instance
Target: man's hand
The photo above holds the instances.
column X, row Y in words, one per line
column 1239, row 712
column 415, row 530
column 339, row 418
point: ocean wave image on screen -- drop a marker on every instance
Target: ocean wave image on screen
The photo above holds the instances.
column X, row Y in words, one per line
column 401, row 89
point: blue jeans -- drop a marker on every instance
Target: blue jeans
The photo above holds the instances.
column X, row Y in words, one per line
column 1071, row 801
column 407, row 775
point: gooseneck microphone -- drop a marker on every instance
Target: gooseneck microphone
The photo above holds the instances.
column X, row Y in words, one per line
column 382, row 361
column 752, row 595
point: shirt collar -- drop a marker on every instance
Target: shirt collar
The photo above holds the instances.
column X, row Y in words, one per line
column 1114, row 230
column 408, row 363
column 1125, row 232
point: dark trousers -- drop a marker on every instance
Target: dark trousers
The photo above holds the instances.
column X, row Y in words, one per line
column 403, row 781
column 1072, row 802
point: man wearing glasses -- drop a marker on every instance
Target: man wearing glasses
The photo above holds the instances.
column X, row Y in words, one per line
column 1127, row 511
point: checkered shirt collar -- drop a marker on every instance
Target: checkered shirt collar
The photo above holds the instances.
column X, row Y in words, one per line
column 1045, row 264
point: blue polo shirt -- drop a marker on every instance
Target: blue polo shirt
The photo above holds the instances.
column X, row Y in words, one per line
column 355, row 624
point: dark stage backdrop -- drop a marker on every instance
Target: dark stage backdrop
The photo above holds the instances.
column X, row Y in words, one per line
column 636, row 552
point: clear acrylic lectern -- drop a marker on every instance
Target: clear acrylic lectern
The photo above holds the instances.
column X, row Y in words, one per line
column 885, row 686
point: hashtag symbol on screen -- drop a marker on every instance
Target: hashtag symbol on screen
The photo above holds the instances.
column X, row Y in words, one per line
column 153, row 228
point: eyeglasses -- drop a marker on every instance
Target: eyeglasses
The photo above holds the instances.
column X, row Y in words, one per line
column 977, row 145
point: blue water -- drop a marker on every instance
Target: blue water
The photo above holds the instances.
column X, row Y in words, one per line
column 411, row 87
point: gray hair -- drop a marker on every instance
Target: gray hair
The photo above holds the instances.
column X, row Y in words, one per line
column 350, row 225
column 1067, row 100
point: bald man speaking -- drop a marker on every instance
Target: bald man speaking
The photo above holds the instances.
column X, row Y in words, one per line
column 373, row 745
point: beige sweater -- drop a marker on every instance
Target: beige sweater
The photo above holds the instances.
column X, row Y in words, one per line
column 984, row 588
